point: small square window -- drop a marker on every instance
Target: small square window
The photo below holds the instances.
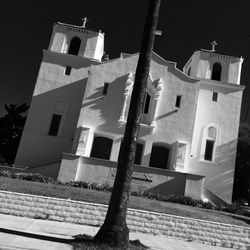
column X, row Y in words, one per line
column 105, row 88
column 215, row 96
column 67, row 70
column 178, row 101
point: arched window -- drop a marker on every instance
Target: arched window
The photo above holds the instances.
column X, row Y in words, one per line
column 74, row 46
column 216, row 72
column 58, row 111
column 101, row 148
column 159, row 157
column 210, row 143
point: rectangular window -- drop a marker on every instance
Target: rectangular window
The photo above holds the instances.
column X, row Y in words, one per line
column 178, row 101
column 67, row 70
column 146, row 104
column 55, row 124
column 209, row 150
column 105, row 88
column 215, row 96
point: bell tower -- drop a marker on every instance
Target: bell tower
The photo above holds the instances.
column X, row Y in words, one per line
column 77, row 40
column 209, row 65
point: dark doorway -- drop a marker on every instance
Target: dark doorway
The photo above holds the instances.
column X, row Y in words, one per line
column 101, row 148
column 74, row 46
column 216, row 72
column 159, row 157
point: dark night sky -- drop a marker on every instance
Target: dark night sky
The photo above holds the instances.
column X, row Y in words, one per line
column 26, row 28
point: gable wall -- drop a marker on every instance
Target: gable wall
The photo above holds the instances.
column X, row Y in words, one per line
column 101, row 114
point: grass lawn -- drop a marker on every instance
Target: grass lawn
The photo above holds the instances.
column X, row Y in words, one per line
column 81, row 194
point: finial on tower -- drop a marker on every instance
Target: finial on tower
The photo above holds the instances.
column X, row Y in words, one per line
column 213, row 46
column 85, row 20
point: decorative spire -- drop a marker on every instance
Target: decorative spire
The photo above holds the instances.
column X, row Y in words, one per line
column 85, row 20
column 213, row 46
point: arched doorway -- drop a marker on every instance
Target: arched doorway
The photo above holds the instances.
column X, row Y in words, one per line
column 74, row 46
column 159, row 157
column 216, row 72
column 101, row 148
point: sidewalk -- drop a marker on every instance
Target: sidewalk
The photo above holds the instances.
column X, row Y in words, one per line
column 33, row 234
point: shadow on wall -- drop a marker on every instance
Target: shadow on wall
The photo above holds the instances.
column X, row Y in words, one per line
column 64, row 59
column 36, row 146
column 175, row 186
column 166, row 115
column 225, row 151
column 220, row 174
column 109, row 107
column 71, row 94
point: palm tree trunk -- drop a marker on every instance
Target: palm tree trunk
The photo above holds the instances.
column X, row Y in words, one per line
column 114, row 230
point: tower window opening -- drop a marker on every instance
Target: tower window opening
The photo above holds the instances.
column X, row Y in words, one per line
column 189, row 71
column 216, row 72
column 74, row 46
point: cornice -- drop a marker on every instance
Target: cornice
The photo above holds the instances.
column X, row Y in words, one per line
column 80, row 29
column 220, row 84
column 213, row 54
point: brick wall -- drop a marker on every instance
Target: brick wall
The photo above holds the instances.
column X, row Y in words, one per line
column 211, row 233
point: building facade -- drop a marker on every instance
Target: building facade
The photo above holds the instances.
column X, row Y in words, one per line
column 189, row 124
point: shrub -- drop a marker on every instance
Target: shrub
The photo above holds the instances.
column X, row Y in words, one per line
column 174, row 198
column 94, row 186
column 6, row 173
column 36, row 177
column 28, row 177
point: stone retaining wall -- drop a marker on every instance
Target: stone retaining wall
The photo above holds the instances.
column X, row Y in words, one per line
column 138, row 221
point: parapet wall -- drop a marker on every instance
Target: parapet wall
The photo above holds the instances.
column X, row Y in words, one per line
column 166, row 182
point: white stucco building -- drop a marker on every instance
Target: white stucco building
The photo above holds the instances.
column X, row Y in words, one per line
column 189, row 127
